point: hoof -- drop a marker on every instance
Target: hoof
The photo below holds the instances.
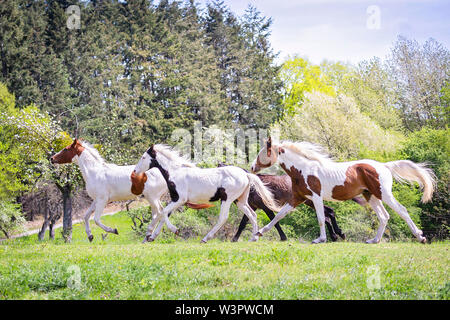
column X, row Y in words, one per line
column 283, row 239
column 203, row 241
column 91, row 237
column 177, row 233
column 342, row 236
column 259, row 234
column 115, row 231
column 234, row 239
column 424, row 240
column 318, row 240
column 372, row 241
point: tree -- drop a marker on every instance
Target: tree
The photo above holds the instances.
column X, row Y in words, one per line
column 420, row 73
column 300, row 77
column 28, row 139
column 338, row 125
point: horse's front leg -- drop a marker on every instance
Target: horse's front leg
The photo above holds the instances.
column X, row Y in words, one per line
column 168, row 209
column 156, row 218
column 318, row 205
column 280, row 215
column 87, row 215
column 100, row 204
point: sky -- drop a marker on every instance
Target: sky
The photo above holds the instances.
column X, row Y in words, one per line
column 348, row 30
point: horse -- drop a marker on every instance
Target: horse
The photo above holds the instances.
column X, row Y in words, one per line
column 188, row 183
column 107, row 182
column 316, row 177
column 281, row 187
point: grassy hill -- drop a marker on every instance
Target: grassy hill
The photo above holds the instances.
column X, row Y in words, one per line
column 120, row 267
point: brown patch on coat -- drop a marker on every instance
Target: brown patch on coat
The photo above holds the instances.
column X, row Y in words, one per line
column 198, row 206
column 68, row 153
column 138, row 183
column 314, row 184
column 359, row 178
column 299, row 187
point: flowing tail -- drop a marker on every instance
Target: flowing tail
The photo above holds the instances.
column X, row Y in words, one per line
column 263, row 192
column 408, row 171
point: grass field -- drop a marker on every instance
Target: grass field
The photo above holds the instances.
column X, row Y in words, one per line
column 122, row 268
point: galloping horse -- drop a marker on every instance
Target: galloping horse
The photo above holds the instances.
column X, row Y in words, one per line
column 316, row 177
column 186, row 182
column 107, row 182
column 281, row 188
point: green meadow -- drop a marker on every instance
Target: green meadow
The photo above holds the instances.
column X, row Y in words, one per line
column 120, row 267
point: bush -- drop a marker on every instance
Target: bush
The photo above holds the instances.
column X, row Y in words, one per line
column 11, row 218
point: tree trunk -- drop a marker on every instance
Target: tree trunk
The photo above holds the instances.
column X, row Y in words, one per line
column 67, row 213
column 51, row 231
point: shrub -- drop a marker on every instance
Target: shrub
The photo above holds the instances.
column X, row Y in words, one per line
column 11, row 218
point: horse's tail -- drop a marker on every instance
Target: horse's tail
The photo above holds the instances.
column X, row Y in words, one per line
column 263, row 192
column 408, row 171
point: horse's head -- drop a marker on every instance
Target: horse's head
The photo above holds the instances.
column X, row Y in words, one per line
column 267, row 156
column 67, row 154
column 147, row 161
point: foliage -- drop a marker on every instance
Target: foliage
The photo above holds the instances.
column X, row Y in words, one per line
column 299, row 77
column 337, row 124
column 11, row 218
column 433, row 146
column 420, row 73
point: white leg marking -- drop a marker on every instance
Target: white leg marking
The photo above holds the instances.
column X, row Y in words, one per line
column 280, row 215
column 318, row 205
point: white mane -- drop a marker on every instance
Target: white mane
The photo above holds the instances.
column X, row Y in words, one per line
column 307, row 150
column 172, row 155
column 93, row 152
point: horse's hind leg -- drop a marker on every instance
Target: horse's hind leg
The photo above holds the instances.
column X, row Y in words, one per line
column 99, row 206
column 240, row 228
column 252, row 217
column 383, row 217
column 223, row 216
column 389, row 199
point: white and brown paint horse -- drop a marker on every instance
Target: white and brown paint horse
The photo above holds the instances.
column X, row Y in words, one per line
column 186, row 182
column 107, row 182
column 316, row 177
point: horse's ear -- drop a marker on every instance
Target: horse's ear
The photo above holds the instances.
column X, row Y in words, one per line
column 269, row 146
column 74, row 142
